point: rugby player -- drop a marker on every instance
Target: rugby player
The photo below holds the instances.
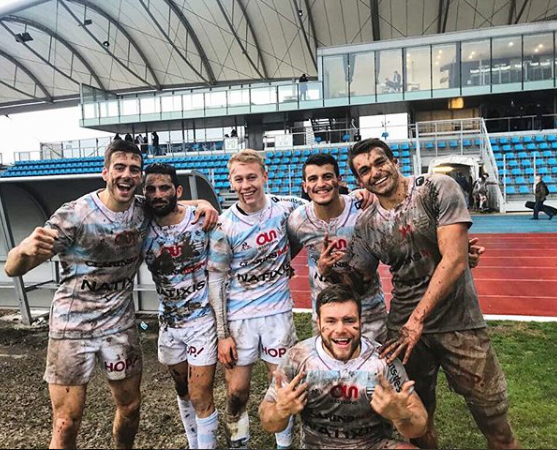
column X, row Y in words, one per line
column 332, row 217
column 98, row 238
column 419, row 227
column 346, row 396
column 249, row 270
column 175, row 250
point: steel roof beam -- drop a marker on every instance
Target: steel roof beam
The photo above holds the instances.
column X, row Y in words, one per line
column 374, row 11
column 512, row 10
column 171, row 42
column 519, row 15
column 263, row 72
column 195, row 39
column 122, row 30
column 30, row 74
column 52, row 33
column 297, row 10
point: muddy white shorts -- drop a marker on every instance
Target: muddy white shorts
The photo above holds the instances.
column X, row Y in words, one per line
column 195, row 343
column 71, row 362
column 267, row 338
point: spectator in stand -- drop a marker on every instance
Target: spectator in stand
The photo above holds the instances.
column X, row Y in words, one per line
column 128, row 137
column 155, row 141
column 233, row 133
column 303, row 86
column 116, row 137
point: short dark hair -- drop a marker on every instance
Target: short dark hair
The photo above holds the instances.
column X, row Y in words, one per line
column 320, row 159
column 337, row 293
column 366, row 146
column 163, row 169
column 120, row 145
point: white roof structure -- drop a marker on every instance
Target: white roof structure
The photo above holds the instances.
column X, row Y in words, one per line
column 49, row 47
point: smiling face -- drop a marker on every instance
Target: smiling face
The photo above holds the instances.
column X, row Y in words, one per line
column 122, row 177
column 321, row 183
column 340, row 329
column 248, row 181
column 377, row 173
column 160, row 194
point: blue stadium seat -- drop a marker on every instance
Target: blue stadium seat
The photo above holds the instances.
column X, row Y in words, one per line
column 543, row 171
column 509, row 190
column 539, row 138
column 498, row 156
column 544, row 146
column 520, row 180
column 405, row 154
column 500, row 164
column 429, row 145
column 516, row 172
column 394, row 147
column 515, row 140
column 547, row 154
column 524, row 190
column 525, row 163
column 453, row 144
column 503, row 140
column 529, row 171
column 531, row 146
column 405, row 146
column 547, row 179
column 519, row 147
column 551, row 138
column 507, row 148
column 467, row 143
column 478, row 142
column 441, row 144
column 552, row 189
column 492, row 140
column 552, row 162
column 527, row 139
column 522, row 155
column 510, row 155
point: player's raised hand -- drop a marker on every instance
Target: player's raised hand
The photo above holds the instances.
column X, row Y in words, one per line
column 228, row 355
column 39, row 243
column 365, row 197
column 292, row 398
column 330, row 255
column 389, row 403
column 210, row 214
column 474, row 252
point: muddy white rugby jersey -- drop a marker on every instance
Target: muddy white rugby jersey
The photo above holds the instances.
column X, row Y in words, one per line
column 405, row 239
column 253, row 249
column 176, row 255
column 305, row 228
column 100, row 252
column 338, row 413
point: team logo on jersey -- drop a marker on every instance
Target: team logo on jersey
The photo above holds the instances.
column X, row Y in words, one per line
column 345, row 392
column 419, row 181
column 405, row 230
column 266, row 237
column 246, row 246
column 340, row 244
column 127, row 238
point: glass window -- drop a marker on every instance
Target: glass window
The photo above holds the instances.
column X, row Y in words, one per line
column 389, row 72
column 335, row 76
column 475, row 63
column 264, row 96
column 445, row 68
column 109, row 109
column 538, row 57
column 418, row 69
column 192, row 102
column 362, row 69
column 129, row 107
column 506, row 60
column 89, row 110
column 171, row 103
column 215, row 99
column 149, row 105
column 288, row 93
column 238, row 97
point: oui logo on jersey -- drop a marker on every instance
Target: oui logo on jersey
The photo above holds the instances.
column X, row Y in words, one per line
column 266, row 237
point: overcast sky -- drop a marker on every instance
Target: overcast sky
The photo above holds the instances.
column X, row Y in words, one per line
column 25, row 132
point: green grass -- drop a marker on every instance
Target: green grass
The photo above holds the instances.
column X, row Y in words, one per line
column 528, row 354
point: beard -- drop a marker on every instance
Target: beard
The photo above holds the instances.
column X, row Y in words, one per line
column 163, row 210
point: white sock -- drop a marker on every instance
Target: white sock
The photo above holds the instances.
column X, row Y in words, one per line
column 238, row 431
column 187, row 413
column 207, row 431
column 284, row 438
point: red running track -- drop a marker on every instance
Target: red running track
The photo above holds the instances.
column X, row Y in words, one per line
column 517, row 275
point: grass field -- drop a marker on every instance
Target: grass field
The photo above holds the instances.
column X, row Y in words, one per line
column 528, row 354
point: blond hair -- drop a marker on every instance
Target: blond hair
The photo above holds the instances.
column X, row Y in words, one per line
column 247, row 156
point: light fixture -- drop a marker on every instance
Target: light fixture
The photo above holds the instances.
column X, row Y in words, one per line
column 536, row 50
column 511, row 44
column 300, row 13
column 23, row 37
column 106, row 44
column 87, row 22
